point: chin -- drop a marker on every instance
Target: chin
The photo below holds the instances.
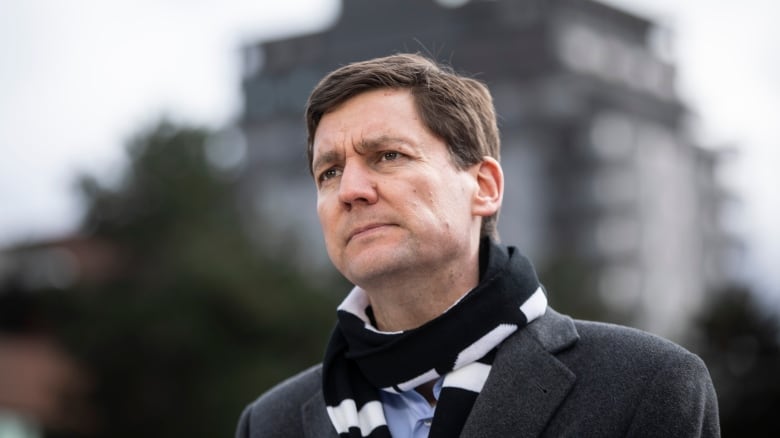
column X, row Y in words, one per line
column 367, row 267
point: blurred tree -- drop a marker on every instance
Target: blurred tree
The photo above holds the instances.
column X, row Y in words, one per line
column 198, row 322
column 741, row 346
column 572, row 290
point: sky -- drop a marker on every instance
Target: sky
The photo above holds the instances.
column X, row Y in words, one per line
column 78, row 77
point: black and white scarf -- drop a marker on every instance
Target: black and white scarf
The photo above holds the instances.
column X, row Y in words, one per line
column 459, row 344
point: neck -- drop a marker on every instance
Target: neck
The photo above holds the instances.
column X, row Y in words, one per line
column 426, row 390
column 412, row 300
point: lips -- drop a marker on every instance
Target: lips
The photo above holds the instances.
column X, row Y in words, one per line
column 364, row 229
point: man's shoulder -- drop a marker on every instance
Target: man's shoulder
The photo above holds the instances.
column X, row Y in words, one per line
column 300, row 386
column 612, row 356
column 616, row 341
column 279, row 411
column 623, row 381
column 562, row 334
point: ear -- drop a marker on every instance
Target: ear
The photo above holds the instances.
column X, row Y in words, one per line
column 490, row 187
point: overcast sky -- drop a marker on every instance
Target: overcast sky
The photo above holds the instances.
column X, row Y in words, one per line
column 79, row 76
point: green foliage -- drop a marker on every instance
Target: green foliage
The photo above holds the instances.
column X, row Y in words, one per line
column 198, row 322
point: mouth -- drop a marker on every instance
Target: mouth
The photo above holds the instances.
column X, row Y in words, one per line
column 365, row 230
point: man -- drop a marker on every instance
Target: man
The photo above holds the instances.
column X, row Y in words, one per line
column 447, row 333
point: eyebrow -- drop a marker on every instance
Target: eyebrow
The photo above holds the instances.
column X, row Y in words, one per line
column 362, row 147
column 372, row 144
column 326, row 158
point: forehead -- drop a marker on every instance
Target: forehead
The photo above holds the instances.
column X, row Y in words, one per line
column 368, row 117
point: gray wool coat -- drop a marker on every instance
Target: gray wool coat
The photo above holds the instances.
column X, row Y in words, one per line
column 557, row 377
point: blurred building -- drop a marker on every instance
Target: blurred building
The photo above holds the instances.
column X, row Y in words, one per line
column 600, row 170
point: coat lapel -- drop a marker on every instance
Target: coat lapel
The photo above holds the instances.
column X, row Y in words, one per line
column 527, row 383
column 316, row 423
column 525, row 387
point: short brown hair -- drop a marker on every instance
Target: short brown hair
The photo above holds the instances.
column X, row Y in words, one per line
column 457, row 109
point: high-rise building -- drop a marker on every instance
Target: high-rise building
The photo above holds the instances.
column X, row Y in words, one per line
column 602, row 177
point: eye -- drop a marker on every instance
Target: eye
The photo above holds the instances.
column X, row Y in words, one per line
column 329, row 174
column 390, row 155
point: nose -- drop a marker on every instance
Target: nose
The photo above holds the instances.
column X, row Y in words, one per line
column 357, row 185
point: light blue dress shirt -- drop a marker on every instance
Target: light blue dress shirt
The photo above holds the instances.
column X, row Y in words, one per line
column 408, row 414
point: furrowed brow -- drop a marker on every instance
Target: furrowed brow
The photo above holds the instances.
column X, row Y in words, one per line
column 362, row 147
column 374, row 144
column 326, row 159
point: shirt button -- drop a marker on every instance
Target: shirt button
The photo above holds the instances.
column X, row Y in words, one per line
column 427, row 423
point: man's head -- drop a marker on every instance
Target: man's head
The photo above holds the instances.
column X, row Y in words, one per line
column 456, row 109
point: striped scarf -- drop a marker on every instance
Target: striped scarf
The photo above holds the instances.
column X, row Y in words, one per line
column 459, row 344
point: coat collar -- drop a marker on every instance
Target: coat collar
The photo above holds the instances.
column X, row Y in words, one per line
column 316, row 423
column 527, row 383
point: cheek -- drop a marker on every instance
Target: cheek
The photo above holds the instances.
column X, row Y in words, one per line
column 321, row 216
column 431, row 207
column 324, row 205
column 325, row 216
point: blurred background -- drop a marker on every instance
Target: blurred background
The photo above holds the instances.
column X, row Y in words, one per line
column 161, row 263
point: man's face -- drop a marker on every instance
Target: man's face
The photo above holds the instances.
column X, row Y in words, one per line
column 389, row 198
